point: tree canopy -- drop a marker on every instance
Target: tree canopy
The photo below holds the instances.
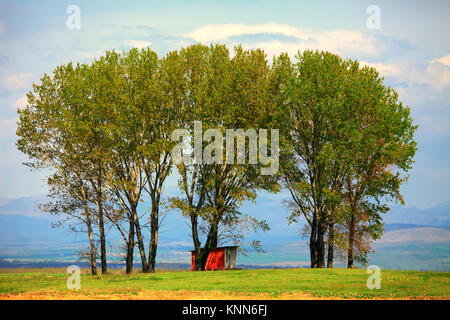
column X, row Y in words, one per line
column 327, row 129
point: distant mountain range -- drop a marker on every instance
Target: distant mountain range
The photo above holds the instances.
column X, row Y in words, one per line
column 414, row 238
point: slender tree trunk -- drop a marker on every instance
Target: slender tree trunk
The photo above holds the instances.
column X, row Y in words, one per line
column 101, row 227
column 330, row 245
column 130, row 249
column 313, row 243
column 197, row 244
column 351, row 240
column 154, row 225
column 140, row 241
column 101, row 223
column 155, row 190
column 93, row 254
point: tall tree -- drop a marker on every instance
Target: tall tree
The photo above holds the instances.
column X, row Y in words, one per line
column 313, row 165
column 121, row 133
column 53, row 132
column 159, row 118
column 70, row 202
column 224, row 94
column 341, row 115
column 382, row 156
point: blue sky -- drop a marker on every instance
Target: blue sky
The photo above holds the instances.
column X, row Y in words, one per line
column 411, row 50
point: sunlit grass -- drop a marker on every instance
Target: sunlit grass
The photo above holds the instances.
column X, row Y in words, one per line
column 336, row 283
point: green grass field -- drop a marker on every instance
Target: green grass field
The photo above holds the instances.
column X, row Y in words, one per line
column 264, row 283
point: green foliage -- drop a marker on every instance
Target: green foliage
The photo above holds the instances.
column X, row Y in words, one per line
column 223, row 93
column 349, row 146
column 104, row 131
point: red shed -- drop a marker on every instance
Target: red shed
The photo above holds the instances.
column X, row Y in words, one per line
column 219, row 258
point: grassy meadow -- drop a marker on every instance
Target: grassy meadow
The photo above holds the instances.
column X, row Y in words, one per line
column 233, row 284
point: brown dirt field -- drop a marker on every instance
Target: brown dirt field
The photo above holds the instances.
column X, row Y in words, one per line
column 171, row 295
column 150, row 295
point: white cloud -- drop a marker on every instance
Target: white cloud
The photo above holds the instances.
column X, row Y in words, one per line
column 445, row 60
column 139, row 44
column 17, row 81
column 385, row 70
column 438, row 73
column 418, row 85
column 19, row 103
column 435, row 74
column 338, row 41
column 221, row 32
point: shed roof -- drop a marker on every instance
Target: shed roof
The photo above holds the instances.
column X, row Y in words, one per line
column 217, row 248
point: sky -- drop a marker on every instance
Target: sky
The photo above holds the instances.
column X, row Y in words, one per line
column 409, row 46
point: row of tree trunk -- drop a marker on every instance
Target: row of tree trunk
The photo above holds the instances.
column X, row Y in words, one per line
column 134, row 237
column 318, row 246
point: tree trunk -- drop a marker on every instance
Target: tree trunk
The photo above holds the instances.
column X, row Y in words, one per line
column 317, row 243
column 197, row 244
column 140, row 240
column 92, row 258
column 211, row 243
column 351, row 240
column 330, row 245
column 213, row 235
column 101, row 224
column 130, row 249
column 101, row 227
column 154, row 225
column 321, row 245
column 313, row 243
